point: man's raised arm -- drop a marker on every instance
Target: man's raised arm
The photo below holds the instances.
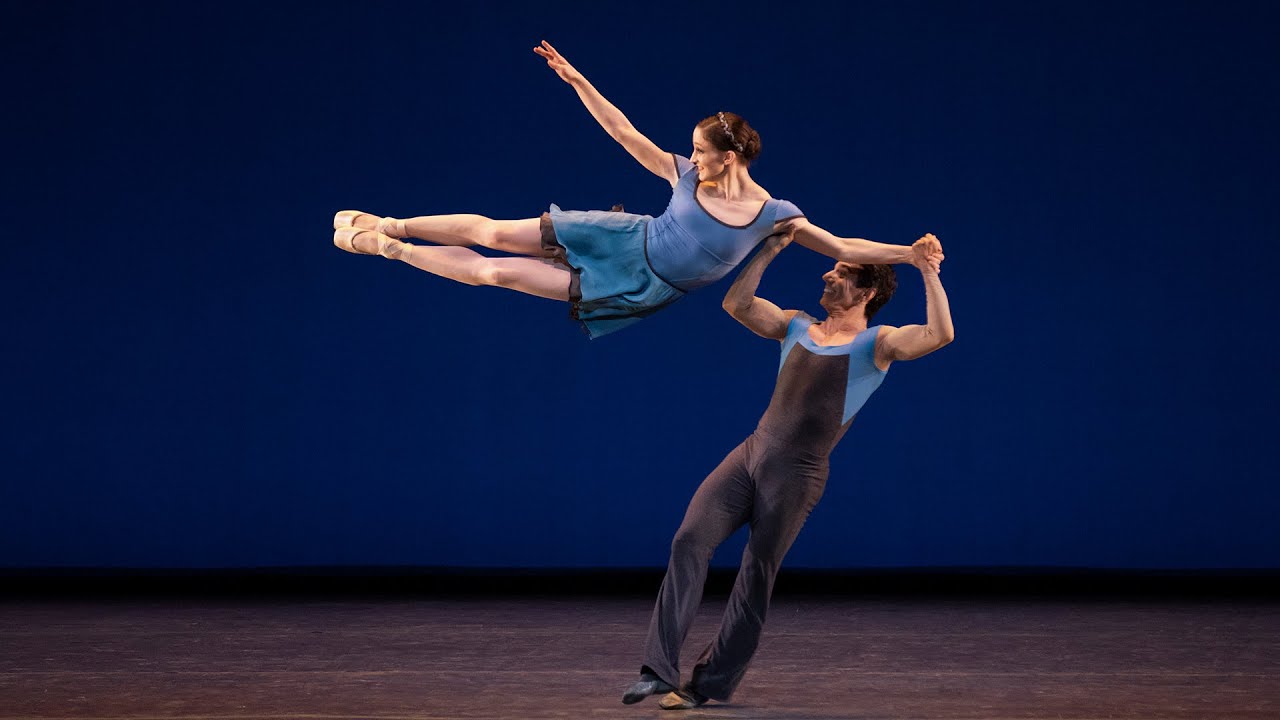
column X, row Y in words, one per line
column 761, row 316
column 912, row 341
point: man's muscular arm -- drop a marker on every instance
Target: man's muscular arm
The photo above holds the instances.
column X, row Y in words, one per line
column 912, row 341
column 759, row 315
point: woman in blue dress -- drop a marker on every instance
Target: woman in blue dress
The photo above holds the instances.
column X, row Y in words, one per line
column 614, row 267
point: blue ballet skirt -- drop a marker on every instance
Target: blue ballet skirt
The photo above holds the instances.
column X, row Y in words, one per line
column 611, row 282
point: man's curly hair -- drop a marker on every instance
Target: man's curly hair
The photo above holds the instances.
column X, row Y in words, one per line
column 883, row 279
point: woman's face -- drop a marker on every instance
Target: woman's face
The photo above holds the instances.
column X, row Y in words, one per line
column 710, row 161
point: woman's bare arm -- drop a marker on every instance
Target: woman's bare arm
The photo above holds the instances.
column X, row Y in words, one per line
column 611, row 118
column 858, row 250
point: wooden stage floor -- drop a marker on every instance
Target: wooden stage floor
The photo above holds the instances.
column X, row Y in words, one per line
column 571, row 657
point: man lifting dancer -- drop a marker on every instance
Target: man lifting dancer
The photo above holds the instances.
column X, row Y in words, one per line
column 776, row 476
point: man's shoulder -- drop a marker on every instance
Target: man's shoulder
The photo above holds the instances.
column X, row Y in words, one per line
column 884, row 331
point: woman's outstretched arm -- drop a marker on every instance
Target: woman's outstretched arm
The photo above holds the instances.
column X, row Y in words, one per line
column 857, row 250
column 611, row 118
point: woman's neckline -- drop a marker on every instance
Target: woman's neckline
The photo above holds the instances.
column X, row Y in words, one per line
column 711, row 215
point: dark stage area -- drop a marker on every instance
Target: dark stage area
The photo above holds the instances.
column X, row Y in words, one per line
column 273, row 645
column 447, row 581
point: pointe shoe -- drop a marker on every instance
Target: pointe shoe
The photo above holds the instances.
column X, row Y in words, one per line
column 388, row 226
column 388, row 247
column 347, row 218
column 681, row 700
column 647, row 685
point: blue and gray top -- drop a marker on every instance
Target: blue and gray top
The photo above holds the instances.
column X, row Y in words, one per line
column 689, row 248
column 820, row 388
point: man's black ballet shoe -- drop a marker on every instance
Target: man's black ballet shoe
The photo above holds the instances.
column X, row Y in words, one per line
column 681, row 700
column 647, row 685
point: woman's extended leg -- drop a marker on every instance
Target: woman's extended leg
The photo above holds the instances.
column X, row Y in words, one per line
column 522, row 237
column 523, row 274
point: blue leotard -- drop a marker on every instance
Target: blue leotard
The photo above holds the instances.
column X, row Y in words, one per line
column 626, row 267
column 690, row 248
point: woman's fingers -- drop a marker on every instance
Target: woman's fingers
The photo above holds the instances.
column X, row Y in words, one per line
column 554, row 62
column 547, row 51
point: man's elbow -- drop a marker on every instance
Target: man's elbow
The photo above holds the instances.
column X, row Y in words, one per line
column 936, row 338
column 734, row 306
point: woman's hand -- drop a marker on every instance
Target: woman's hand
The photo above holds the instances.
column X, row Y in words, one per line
column 556, row 62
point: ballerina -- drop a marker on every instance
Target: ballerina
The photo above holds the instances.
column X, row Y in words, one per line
column 613, row 267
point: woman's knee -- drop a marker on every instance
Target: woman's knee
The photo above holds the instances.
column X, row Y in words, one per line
column 488, row 232
column 491, row 272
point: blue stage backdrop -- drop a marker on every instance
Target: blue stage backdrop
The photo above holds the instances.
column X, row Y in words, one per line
column 193, row 376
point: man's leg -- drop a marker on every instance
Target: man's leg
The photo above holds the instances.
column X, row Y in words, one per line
column 786, row 493
column 721, row 505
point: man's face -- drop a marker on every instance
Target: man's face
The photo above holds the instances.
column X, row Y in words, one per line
column 841, row 289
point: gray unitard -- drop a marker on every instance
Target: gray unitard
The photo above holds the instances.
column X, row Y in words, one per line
column 772, row 481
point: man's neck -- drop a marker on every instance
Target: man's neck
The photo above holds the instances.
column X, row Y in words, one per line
column 845, row 321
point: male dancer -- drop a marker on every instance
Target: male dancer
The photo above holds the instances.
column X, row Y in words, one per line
column 776, row 476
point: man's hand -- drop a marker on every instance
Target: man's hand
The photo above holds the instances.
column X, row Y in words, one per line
column 556, row 62
column 781, row 238
column 924, row 247
column 926, row 254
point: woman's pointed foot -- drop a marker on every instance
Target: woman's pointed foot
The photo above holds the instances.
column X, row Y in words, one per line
column 388, row 226
column 367, row 242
